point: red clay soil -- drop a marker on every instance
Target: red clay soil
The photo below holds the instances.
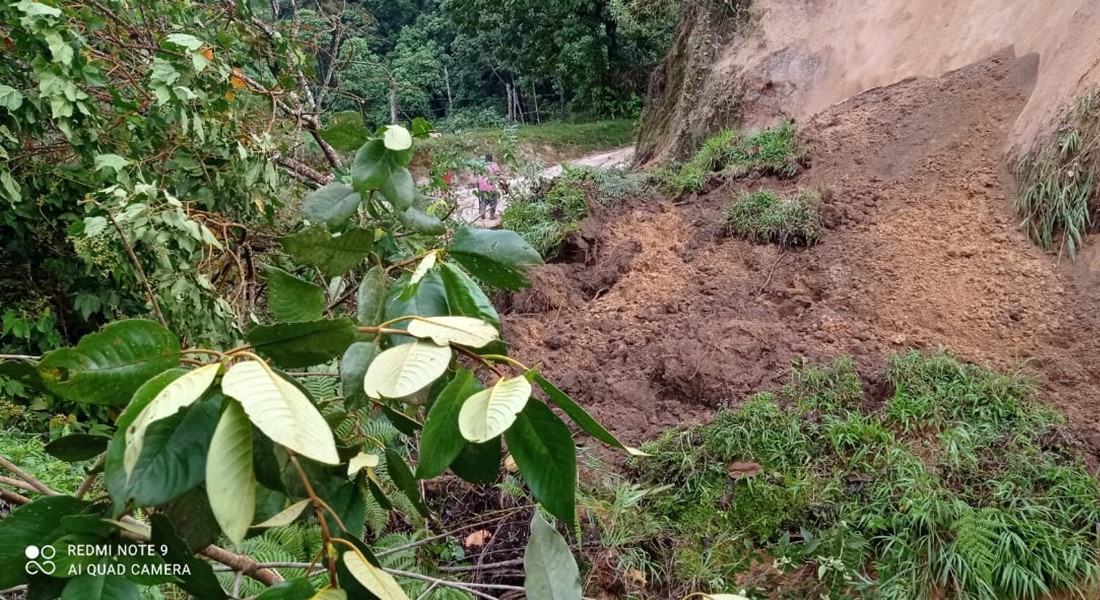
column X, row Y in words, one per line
column 665, row 319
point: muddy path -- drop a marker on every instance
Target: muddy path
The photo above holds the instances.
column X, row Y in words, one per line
column 669, row 320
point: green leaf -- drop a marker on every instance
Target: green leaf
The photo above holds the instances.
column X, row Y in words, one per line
column 303, row 344
column 371, row 167
column 581, row 417
column 281, row 411
column 201, row 583
column 350, row 504
column 292, row 299
column 192, row 518
column 184, row 40
column 403, row 478
column 345, row 131
column 488, row 413
column 61, row 50
column 334, row 255
column 173, row 456
column 291, row 589
column 496, row 256
column 405, row 369
column 37, row 523
column 110, row 161
column 78, row 447
column 353, row 368
column 421, row 222
column 550, row 570
column 399, row 188
column 441, row 441
column 543, row 449
column 230, row 483
column 10, row 98
column 464, row 331
column 465, row 297
column 420, row 127
column 377, row 581
column 177, row 395
column 332, row 204
column 371, row 297
column 109, row 366
column 397, row 138
column 478, row 463
column 100, row 587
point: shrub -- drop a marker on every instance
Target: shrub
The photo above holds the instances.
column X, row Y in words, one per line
column 767, row 217
column 775, row 151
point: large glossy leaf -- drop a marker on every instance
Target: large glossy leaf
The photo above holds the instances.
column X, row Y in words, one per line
column 371, row 296
column 403, row 478
column 581, row 417
column 38, row 523
column 230, row 483
column 353, row 368
column 173, row 457
column 441, row 441
column 421, row 222
column 303, row 344
column 377, row 581
column 291, row 298
column 490, row 412
column 100, row 587
column 109, row 366
column 201, row 583
column 291, row 589
column 281, row 411
column 405, row 369
column 464, row 331
column 77, row 447
column 334, row 255
column 479, row 463
column 430, row 300
column 332, row 204
column 465, row 296
column 399, row 188
column 350, row 504
column 550, row 570
column 192, row 519
column 372, row 167
column 543, row 449
column 496, row 256
column 177, row 395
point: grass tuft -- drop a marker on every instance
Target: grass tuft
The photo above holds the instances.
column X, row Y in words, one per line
column 764, row 216
column 1057, row 180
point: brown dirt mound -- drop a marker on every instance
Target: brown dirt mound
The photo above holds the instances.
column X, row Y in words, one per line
column 671, row 320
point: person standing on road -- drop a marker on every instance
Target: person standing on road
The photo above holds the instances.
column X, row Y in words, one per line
column 488, row 190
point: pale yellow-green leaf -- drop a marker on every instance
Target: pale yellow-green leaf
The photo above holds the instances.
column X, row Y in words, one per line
column 230, row 482
column 285, row 516
column 362, row 461
column 330, row 594
column 405, row 369
column 635, row 452
column 464, row 331
column 135, row 527
column 422, row 268
column 177, row 395
column 281, row 411
column 377, row 581
column 397, row 138
column 490, row 412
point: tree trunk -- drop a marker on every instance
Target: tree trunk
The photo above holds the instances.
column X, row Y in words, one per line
column 393, row 101
column 519, row 107
column 511, row 107
column 535, row 96
column 447, row 81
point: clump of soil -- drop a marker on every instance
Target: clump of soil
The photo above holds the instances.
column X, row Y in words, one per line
column 670, row 320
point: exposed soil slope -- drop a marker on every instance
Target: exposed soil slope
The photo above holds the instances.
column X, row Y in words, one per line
column 668, row 319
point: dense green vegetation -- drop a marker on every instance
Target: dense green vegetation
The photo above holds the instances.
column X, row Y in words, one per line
column 956, row 484
column 1057, row 197
column 764, row 216
column 559, row 137
column 732, row 154
column 553, row 210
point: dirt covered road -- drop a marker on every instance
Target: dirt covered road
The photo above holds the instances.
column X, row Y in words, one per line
column 668, row 320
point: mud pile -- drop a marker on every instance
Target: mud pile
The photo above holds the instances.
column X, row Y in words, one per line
column 666, row 319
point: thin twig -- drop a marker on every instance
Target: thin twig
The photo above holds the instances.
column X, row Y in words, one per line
column 465, row 568
column 771, row 272
column 90, row 478
column 19, row 357
column 137, row 263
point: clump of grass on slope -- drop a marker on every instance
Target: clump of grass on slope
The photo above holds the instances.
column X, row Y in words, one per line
column 554, row 209
column 765, row 216
column 1057, row 180
column 957, row 486
column 775, row 151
